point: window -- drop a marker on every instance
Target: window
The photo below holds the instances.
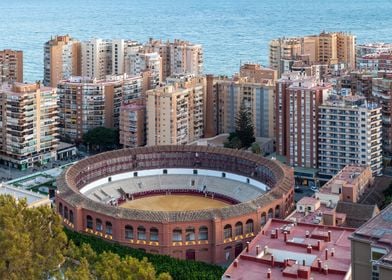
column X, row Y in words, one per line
column 60, row 208
column 164, row 171
column 134, row 174
column 154, row 234
column 223, row 174
column 66, row 212
column 190, row 234
column 89, row 222
column 71, row 217
column 203, row 233
column 177, row 235
column 128, row 232
column 263, row 219
column 270, row 213
column 227, row 231
column 141, row 233
column 98, row 224
column 108, row 228
column 195, row 171
column 238, row 229
column 249, row 226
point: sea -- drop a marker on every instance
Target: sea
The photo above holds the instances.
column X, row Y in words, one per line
column 231, row 31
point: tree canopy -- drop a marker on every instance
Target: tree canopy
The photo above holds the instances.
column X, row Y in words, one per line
column 32, row 240
column 33, row 245
column 101, row 138
column 243, row 136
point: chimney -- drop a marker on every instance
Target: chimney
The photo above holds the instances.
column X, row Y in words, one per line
column 276, row 233
column 309, row 249
column 319, row 262
column 303, row 262
column 235, row 263
column 269, row 273
column 265, row 250
column 329, row 236
column 257, row 249
column 307, row 234
column 318, row 245
column 332, row 252
column 326, row 254
column 247, row 246
column 272, row 261
column 325, row 269
column 285, row 236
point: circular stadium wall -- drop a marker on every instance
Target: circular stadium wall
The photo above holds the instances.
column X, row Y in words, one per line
column 92, row 193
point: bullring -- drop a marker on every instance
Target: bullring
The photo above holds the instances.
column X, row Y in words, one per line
column 94, row 195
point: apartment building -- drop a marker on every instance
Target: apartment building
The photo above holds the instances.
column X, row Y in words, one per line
column 29, row 124
column 96, row 55
column 132, row 126
column 86, row 103
column 372, row 48
column 382, row 94
column 297, row 102
column 178, row 57
column 324, row 48
column 175, row 111
column 349, row 133
column 62, row 59
column 258, row 98
column 139, row 62
column 375, row 62
column 371, row 248
column 11, row 66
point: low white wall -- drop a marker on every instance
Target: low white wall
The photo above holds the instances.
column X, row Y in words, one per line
column 174, row 171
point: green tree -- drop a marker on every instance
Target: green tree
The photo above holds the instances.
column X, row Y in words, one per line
column 101, row 138
column 31, row 240
column 244, row 126
column 256, row 149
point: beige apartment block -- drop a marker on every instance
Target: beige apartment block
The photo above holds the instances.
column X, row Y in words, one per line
column 62, row 59
column 29, row 124
column 178, row 57
column 11, row 66
column 139, row 62
column 325, row 48
column 85, row 103
column 175, row 111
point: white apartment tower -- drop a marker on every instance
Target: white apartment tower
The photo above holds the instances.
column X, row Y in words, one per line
column 96, row 58
column 349, row 133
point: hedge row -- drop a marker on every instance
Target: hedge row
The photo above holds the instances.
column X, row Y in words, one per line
column 178, row 269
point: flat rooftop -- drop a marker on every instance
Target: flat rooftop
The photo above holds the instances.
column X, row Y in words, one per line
column 347, row 177
column 17, row 193
column 299, row 250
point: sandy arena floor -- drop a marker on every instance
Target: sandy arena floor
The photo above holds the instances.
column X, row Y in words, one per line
column 173, row 203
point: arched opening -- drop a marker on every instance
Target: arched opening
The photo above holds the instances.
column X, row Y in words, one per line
column 177, row 235
column 263, row 219
column 60, row 208
column 141, row 233
column 238, row 229
column 238, row 249
column 66, row 212
column 89, row 222
column 190, row 234
column 190, row 254
column 71, row 216
column 109, row 228
column 277, row 211
column 98, row 224
column 128, row 232
column 227, row 232
column 203, row 233
column 270, row 213
column 249, row 226
column 154, row 234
